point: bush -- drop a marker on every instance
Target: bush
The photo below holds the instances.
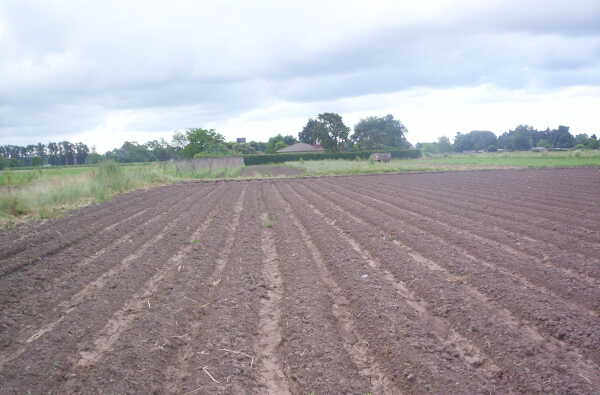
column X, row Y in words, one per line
column 292, row 157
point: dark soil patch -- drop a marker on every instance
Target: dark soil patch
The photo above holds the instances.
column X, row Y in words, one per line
column 271, row 171
column 475, row 282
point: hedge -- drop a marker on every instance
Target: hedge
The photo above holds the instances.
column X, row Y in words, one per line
column 291, row 157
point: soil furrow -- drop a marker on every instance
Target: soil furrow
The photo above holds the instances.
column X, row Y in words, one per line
column 561, row 321
column 550, row 246
column 26, row 235
column 384, row 284
column 269, row 326
column 459, row 345
column 578, row 288
column 69, row 261
column 524, row 204
column 533, row 180
column 220, row 355
column 35, row 255
column 565, row 231
column 102, row 304
column 24, row 320
column 155, row 315
column 338, row 360
column 44, row 235
column 434, row 286
column 201, row 295
column 388, row 325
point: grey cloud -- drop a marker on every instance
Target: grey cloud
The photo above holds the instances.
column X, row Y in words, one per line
column 67, row 66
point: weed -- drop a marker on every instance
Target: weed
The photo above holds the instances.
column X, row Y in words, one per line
column 268, row 221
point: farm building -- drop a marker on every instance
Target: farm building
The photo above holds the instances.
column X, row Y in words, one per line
column 302, row 147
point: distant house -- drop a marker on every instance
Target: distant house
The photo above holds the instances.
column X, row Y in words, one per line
column 301, row 147
column 241, row 140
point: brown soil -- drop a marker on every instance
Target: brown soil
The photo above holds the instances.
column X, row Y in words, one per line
column 271, row 171
column 474, row 282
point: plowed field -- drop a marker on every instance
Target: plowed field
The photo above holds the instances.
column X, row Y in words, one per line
column 473, row 282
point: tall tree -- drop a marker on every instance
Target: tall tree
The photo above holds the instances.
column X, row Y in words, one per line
column 444, row 144
column 81, row 152
column 476, row 140
column 328, row 130
column 311, row 134
column 203, row 141
column 380, row 132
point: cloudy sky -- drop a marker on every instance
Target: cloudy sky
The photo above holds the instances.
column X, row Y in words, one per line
column 103, row 72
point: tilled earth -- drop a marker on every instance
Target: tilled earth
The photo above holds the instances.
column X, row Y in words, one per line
column 472, row 282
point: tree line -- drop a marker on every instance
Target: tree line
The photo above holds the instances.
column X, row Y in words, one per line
column 56, row 154
column 327, row 130
column 521, row 138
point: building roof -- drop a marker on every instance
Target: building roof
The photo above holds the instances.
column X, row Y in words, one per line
column 302, row 147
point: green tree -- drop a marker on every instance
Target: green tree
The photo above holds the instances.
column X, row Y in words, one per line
column 581, row 139
column 593, row 142
column 328, row 130
column 278, row 142
column 444, row 144
column 380, row 132
column 430, row 148
column 476, row 140
column 130, row 152
column 561, row 138
column 206, row 141
column 179, row 141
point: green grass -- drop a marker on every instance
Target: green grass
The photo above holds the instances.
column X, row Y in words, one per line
column 49, row 192
column 453, row 162
column 22, row 177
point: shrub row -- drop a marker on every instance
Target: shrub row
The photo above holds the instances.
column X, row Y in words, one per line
column 290, row 157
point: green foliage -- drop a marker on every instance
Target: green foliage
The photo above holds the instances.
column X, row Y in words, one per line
column 328, row 130
column 380, row 133
column 94, row 158
column 300, row 156
column 428, row 148
column 524, row 137
column 45, row 193
column 203, row 140
column 593, row 142
column 444, row 145
column 278, row 142
column 63, row 153
column 130, row 152
column 476, row 140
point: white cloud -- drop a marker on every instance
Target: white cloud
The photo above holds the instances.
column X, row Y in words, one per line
column 108, row 71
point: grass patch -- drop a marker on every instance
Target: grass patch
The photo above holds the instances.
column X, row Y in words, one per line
column 49, row 192
column 453, row 162
column 46, row 194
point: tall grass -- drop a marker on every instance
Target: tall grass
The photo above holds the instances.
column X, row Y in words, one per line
column 47, row 194
column 49, row 197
